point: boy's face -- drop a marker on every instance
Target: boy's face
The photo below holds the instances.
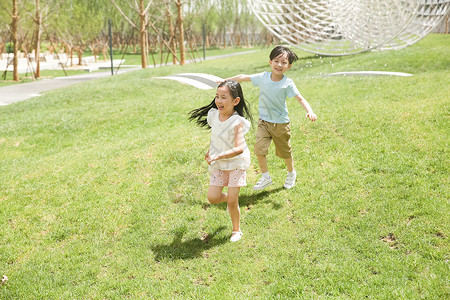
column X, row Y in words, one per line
column 280, row 64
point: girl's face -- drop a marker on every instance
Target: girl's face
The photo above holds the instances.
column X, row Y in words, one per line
column 280, row 64
column 225, row 102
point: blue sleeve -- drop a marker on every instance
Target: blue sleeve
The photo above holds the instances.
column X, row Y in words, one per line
column 292, row 90
column 257, row 79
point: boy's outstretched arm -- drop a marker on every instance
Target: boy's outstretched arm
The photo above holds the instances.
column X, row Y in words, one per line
column 239, row 78
column 309, row 112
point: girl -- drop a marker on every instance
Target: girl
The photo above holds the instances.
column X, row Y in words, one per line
column 228, row 155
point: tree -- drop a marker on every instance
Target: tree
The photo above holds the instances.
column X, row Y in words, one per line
column 180, row 31
column 38, row 20
column 4, row 29
column 42, row 10
column 78, row 24
column 14, row 35
column 225, row 18
column 171, row 30
column 142, row 11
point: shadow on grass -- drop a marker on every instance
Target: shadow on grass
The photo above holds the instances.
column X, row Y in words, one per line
column 249, row 200
column 188, row 249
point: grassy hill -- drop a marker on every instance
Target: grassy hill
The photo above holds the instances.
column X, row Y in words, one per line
column 103, row 187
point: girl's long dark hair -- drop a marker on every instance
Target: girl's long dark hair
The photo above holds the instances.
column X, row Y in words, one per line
column 199, row 115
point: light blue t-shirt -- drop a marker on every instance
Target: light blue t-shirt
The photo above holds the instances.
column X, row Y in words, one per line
column 272, row 97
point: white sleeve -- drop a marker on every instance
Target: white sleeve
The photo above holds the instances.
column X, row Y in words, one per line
column 211, row 115
column 245, row 123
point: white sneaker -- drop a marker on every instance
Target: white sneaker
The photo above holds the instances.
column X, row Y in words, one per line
column 290, row 180
column 262, row 183
column 236, row 236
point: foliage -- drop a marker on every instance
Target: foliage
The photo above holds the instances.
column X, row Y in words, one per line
column 102, row 193
column 82, row 22
column 9, row 47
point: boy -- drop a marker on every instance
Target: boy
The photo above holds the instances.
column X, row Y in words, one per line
column 274, row 123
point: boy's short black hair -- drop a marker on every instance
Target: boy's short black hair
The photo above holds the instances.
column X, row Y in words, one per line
column 278, row 50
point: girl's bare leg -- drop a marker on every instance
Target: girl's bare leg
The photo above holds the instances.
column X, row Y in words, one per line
column 215, row 194
column 233, row 207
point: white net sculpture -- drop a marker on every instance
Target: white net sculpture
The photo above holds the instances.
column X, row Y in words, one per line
column 342, row 27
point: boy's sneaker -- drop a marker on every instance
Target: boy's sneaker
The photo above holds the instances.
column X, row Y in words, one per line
column 290, row 180
column 262, row 183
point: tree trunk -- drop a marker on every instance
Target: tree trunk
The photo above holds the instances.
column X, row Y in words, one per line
column 69, row 52
column 79, row 50
column 224, row 38
column 143, row 34
column 171, row 32
column 105, row 51
column 37, row 48
column 14, row 24
column 446, row 24
column 95, row 48
column 2, row 48
column 180, row 32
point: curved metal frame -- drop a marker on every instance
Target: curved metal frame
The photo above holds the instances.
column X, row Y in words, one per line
column 343, row 27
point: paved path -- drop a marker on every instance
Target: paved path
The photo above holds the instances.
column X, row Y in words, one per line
column 22, row 91
column 199, row 80
column 19, row 92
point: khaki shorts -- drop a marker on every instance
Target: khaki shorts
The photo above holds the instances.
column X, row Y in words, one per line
column 279, row 133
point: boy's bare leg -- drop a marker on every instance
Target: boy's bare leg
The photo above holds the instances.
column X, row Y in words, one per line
column 289, row 164
column 262, row 162
column 291, row 175
column 265, row 179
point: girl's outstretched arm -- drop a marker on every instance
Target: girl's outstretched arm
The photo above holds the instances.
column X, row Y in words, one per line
column 238, row 148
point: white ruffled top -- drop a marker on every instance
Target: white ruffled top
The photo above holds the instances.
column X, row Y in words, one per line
column 223, row 139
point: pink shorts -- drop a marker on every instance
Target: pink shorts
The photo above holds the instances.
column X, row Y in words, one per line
column 231, row 178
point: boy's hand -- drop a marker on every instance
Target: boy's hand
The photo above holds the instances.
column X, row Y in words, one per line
column 312, row 116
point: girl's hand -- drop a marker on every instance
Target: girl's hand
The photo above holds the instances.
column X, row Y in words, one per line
column 210, row 159
column 207, row 158
column 312, row 116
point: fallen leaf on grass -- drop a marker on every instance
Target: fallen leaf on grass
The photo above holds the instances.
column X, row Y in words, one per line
column 391, row 240
column 178, row 198
column 205, row 238
column 440, row 234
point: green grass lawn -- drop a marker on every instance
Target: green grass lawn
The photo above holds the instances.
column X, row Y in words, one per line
column 45, row 74
column 103, row 188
